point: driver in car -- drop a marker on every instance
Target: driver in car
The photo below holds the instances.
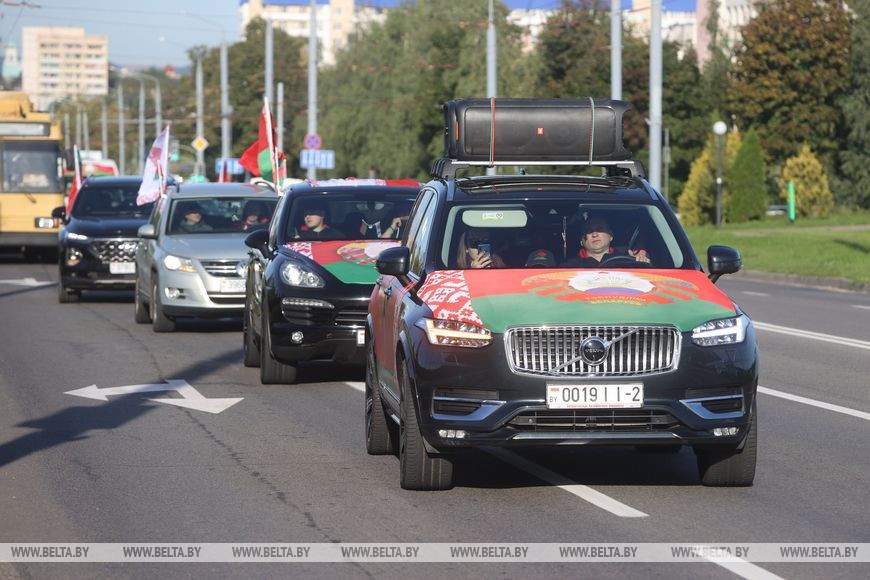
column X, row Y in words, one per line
column 596, row 249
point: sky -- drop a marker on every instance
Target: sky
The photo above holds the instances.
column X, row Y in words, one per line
column 159, row 32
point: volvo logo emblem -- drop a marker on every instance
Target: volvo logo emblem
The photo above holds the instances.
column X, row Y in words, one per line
column 593, row 350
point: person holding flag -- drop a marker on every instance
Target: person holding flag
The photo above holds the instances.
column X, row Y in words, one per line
column 262, row 158
column 156, row 170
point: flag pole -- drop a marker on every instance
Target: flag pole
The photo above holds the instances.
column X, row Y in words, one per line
column 270, row 128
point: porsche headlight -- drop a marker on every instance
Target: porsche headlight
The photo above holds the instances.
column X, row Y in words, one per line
column 724, row 331
column 295, row 275
column 455, row 333
column 179, row 264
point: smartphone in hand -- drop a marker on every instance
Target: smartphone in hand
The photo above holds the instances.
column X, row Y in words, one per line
column 487, row 248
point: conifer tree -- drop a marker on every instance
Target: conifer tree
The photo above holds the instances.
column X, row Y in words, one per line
column 813, row 195
column 746, row 181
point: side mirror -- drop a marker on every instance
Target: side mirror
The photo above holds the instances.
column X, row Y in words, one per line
column 147, row 232
column 58, row 212
column 259, row 240
column 722, row 260
column 394, row 261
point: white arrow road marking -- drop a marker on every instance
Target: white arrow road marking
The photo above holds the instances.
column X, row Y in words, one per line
column 361, row 387
column 743, row 568
column 26, row 282
column 861, row 306
column 841, row 340
column 191, row 398
column 814, row 403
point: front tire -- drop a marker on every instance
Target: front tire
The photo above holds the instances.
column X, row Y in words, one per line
column 380, row 430
column 140, row 308
column 66, row 295
column 272, row 372
column 250, row 349
column 730, row 467
column 159, row 321
column 418, row 469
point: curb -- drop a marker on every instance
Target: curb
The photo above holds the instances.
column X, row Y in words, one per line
column 822, row 282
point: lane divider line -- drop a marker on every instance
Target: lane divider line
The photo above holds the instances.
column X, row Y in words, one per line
column 356, row 385
column 584, row 492
column 744, row 569
column 841, row 340
column 751, row 293
column 861, row 306
column 814, row 403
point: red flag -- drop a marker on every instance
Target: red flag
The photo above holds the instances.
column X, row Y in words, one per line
column 77, row 179
column 224, row 176
column 261, row 157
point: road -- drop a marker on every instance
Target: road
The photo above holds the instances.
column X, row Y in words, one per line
column 288, row 464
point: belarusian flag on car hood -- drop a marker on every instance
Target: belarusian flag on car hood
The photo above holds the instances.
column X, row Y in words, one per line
column 352, row 262
column 499, row 299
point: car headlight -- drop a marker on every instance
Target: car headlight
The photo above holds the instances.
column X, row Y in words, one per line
column 75, row 236
column 724, row 331
column 295, row 275
column 180, row 264
column 455, row 333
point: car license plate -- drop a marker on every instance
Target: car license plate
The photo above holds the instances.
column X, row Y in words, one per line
column 122, row 267
column 360, row 337
column 232, row 285
column 590, row 396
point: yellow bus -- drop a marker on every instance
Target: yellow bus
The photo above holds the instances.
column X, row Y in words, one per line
column 31, row 166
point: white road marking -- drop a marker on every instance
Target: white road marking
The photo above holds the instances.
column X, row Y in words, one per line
column 26, row 282
column 584, row 492
column 841, row 340
column 861, row 306
column 751, row 293
column 744, row 569
column 359, row 386
column 190, row 397
column 815, row 403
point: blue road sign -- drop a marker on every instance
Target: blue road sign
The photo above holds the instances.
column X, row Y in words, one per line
column 318, row 159
column 312, row 141
column 233, row 166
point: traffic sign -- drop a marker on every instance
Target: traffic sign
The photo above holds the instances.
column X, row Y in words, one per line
column 312, row 141
column 200, row 143
column 323, row 159
column 233, row 167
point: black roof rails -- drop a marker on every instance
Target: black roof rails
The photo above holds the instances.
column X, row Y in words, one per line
column 445, row 168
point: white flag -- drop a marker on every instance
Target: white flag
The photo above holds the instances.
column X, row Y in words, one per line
column 156, row 168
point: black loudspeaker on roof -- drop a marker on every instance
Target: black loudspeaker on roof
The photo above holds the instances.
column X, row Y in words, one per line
column 535, row 130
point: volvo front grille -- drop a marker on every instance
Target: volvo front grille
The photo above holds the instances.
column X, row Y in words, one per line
column 556, row 350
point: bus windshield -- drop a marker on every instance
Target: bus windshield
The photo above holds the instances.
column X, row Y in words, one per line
column 30, row 167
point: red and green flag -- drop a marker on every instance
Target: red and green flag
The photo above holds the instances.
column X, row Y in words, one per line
column 262, row 157
column 77, row 178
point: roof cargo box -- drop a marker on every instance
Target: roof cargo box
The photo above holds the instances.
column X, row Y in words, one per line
column 493, row 130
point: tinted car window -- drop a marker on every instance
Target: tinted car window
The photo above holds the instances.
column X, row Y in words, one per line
column 110, row 202
column 349, row 216
column 216, row 215
column 420, row 233
column 547, row 233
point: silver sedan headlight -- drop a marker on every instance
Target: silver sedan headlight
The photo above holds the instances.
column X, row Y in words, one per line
column 179, row 264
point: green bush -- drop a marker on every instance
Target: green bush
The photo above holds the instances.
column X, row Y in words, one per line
column 813, row 196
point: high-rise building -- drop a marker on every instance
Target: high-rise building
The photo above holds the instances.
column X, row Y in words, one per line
column 678, row 27
column 336, row 20
column 60, row 62
column 733, row 14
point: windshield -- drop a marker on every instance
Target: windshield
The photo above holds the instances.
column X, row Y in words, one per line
column 30, row 167
column 559, row 234
column 220, row 215
column 357, row 215
column 110, row 202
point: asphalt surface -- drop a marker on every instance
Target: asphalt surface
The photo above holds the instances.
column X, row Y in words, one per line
column 288, row 463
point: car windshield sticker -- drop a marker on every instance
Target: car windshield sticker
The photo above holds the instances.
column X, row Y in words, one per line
column 504, row 298
column 352, row 262
column 446, row 294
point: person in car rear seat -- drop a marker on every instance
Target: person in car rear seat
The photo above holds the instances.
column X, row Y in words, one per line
column 315, row 226
column 595, row 246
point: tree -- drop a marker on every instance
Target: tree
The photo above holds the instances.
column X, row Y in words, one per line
column 813, row 195
column 853, row 184
column 791, row 69
column 697, row 204
column 714, row 76
column 746, row 181
column 381, row 103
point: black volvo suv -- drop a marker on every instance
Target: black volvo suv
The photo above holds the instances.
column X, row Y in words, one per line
column 553, row 309
column 97, row 243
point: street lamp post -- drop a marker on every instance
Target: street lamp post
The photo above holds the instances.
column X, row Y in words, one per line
column 719, row 128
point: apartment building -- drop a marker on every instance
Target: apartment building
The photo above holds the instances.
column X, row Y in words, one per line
column 58, row 62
